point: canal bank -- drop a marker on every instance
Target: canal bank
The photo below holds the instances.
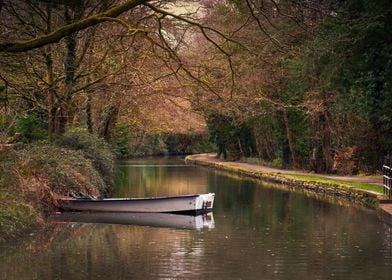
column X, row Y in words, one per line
column 33, row 174
column 337, row 186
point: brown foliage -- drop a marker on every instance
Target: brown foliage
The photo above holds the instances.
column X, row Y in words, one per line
column 345, row 161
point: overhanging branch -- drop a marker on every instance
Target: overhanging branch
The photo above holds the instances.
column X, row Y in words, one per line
column 55, row 36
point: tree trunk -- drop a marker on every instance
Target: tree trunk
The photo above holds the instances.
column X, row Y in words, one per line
column 109, row 123
column 326, row 144
column 62, row 119
column 290, row 139
column 140, row 139
column 51, row 115
column 241, row 150
column 314, row 144
column 89, row 103
column 89, row 112
column 52, row 99
column 268, row 145
column 259, row 145
column 109, row 118
column 65, row 111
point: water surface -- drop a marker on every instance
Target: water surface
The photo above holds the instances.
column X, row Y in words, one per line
column 259, row 232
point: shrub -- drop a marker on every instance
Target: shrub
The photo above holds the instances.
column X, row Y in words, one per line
column 203, row 145
column 31, row 127
column 3, row 95
column 4, row 123
column 154, row 145
column 177, row 143
column 131, row 142
column 16, row 215
column 65, row 169
column 120, row 141
column 93, row 148
column 31, row 176
column 277, row 162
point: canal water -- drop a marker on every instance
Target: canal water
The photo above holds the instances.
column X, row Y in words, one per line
column 256, row 231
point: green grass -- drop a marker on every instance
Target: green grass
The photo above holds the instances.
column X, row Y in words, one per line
column 375, row 177
column 358, row 185
column 321, row 179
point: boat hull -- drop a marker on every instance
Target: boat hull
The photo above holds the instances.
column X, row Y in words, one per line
column 186, row 203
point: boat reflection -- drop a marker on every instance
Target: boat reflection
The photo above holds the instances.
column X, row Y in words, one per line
column 197, row 222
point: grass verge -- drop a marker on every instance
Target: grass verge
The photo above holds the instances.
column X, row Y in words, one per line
column 320, row 179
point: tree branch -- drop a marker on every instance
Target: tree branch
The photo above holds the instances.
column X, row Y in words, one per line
column 203, row 29
column 55, row 36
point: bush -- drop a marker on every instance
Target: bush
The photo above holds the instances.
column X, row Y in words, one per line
column 129, row 142
column 31, row 127
column 93, row 148
column 177, row 143
column 4, row 123
column 65, row 169
column 153, row 145
column 203, row 145
column 16, row 215
column 30, row 177
column 120, row 141
column 3, row 95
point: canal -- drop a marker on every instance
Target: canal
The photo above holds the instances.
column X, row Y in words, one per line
column 256, row 231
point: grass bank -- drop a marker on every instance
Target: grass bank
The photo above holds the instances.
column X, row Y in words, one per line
column 363, row 193
column 31, row 176
column 351, row 184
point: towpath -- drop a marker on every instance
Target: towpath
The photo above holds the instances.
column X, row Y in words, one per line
column 384, row 203
column 375, row 180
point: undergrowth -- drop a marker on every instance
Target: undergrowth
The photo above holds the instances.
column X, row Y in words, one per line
column 93, row 148
column 16, row 214
column 31, row 177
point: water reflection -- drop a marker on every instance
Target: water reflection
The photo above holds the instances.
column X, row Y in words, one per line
column 139, row 219
column 138, row 178
column 261, row 233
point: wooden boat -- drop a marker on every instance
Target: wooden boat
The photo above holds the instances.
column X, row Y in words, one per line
column 197, row 203
column 167, row 220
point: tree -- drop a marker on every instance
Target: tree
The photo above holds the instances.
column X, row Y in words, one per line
column 70, row 70
column 61, row 86
column 109, row 14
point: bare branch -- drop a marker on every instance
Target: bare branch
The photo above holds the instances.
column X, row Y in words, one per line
column 208, row 38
